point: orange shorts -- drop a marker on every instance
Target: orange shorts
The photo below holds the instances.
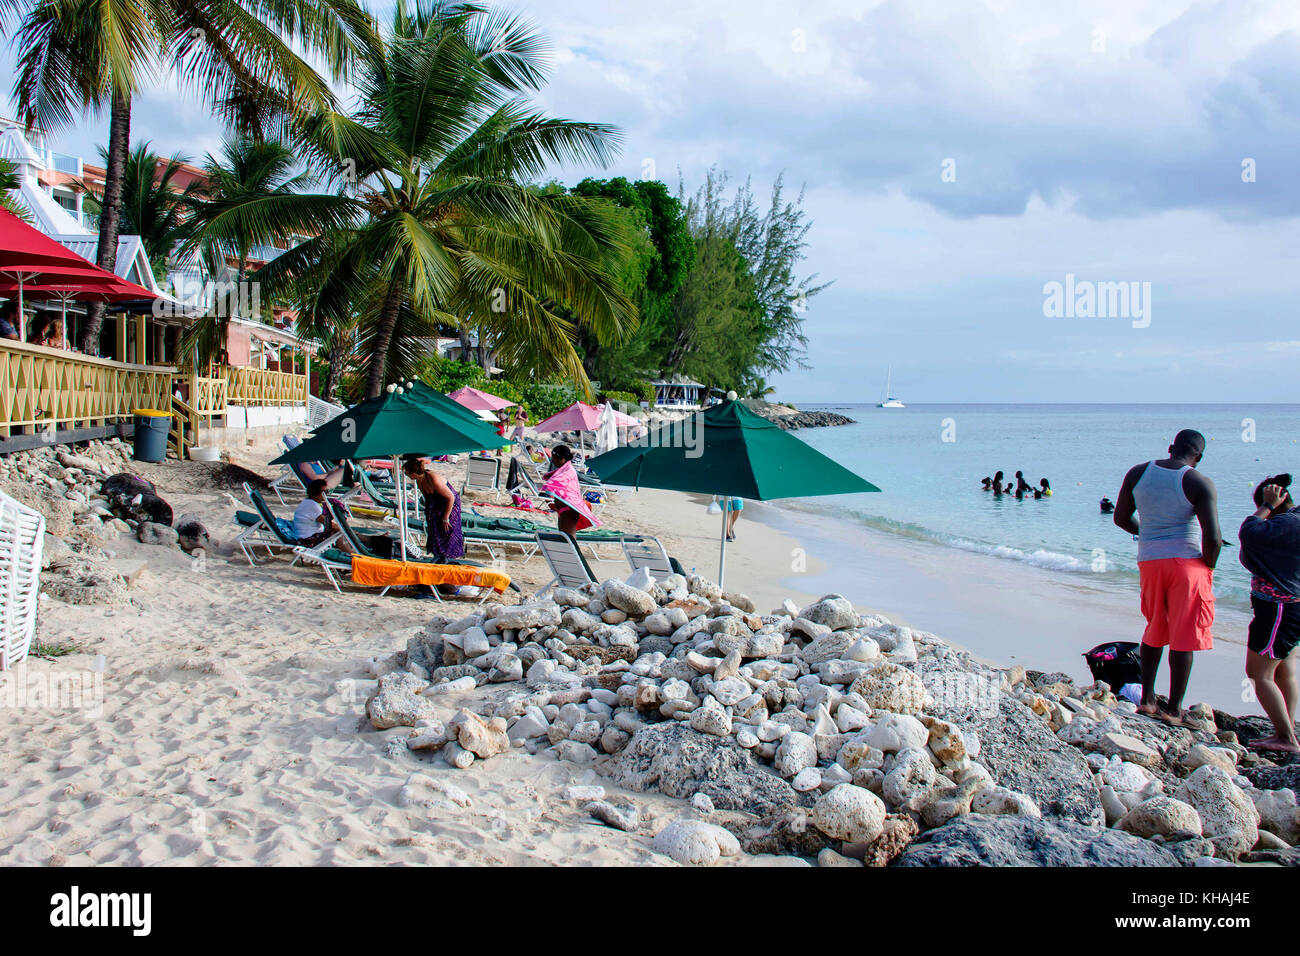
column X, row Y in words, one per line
column 1178, row 603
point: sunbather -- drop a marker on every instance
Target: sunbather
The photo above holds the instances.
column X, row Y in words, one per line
column 311, row 523
column 570, row 507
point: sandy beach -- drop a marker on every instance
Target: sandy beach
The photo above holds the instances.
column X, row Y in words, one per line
column 218, row 713
column 227, row 723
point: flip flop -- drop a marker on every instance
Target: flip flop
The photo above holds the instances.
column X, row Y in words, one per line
column 1173, row 720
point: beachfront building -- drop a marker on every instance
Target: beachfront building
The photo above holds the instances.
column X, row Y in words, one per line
column 261, row 380
column 680, row 393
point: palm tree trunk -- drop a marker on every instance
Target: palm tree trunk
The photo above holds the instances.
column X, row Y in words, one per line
column 119, row 139
column 383, row 338
column 464, row 344
column 334, row 363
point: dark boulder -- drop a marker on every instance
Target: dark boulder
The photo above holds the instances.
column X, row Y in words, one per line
column 983, row 840
column 681, row 762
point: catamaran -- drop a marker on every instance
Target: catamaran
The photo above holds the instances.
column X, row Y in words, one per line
column 888, row 401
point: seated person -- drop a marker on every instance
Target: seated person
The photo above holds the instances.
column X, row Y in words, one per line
column 9, row 321
column 311, row 523
column 44, row 332
column 309, row 471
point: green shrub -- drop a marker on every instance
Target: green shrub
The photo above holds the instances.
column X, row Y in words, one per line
column 620, row 398
column 543, row 399
column 644, row 391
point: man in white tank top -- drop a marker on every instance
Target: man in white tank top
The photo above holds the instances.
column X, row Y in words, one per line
column 1173, row 510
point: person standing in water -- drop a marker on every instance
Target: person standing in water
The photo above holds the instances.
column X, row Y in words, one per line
column 1172, row 509
column 997, row 484
column 1270, row 551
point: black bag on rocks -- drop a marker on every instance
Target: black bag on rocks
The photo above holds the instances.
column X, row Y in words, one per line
column 1117, row 663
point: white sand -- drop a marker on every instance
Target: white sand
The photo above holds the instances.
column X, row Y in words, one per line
column 232, row 726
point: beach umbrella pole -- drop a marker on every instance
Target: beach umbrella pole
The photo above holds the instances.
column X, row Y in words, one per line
column 722, row 552
column 401, row 508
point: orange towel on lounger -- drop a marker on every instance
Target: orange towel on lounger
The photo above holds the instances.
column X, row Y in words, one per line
column 379, row 573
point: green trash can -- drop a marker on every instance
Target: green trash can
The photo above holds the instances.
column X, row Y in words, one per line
column 151, row 430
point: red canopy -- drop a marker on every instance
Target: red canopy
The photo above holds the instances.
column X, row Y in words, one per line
column 34, row 266
column 27, row 246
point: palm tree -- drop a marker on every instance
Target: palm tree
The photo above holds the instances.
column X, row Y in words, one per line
column 9, row 183
column 431, row 222
column 249, row 170
column 97, row 54
column 153, row 208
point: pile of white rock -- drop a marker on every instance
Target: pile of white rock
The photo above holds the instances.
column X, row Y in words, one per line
column 825, row 732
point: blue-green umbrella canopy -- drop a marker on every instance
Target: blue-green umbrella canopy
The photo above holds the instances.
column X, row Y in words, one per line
column 730, row 451
column 402, row 421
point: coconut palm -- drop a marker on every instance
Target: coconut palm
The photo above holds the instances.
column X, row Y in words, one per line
column 249, row 170
column 431, row 221
column 98, row 54
column 10, row 183
column 153, row 207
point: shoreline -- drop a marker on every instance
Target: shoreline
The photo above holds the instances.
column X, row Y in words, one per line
column 229, row 716
column 1000, row 611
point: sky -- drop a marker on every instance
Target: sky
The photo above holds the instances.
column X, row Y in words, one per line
column 958, row 158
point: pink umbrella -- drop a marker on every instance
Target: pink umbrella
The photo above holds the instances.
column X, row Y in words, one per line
column 477, row 401
column 578, row 417
column 581, row 417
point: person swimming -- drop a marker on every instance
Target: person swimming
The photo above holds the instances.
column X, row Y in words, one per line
column 1107, row 506
column 986, row 483
column 1046, row 488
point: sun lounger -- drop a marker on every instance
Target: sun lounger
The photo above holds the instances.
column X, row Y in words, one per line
column 269, row 533
column 482, row 473
column 565, row 560
column 373, row 570
column 649, row 553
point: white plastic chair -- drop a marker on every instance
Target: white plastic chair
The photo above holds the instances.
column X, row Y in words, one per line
column 482, row 474
column 22, row 538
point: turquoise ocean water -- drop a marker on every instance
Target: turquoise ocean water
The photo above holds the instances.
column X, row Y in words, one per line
column 929, row 460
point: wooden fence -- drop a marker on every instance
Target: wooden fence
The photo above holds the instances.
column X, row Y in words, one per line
column 51, row 391
column 44, row 389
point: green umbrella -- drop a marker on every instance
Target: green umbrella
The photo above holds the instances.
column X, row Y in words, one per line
column 401, row 421
column 727, row 450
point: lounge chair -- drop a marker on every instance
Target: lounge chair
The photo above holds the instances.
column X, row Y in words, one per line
column 649, row 553
column 266, row 531
column 482, row 473
column 566, row 561
column 333, row 560
column 521, row 483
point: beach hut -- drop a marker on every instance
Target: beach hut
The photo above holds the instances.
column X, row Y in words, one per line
column 729, row 452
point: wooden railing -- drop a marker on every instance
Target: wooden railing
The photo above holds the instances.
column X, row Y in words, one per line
column 207, row 396
column 185, row 427
column 257, row 386
column 51, row 390
column 48, row 389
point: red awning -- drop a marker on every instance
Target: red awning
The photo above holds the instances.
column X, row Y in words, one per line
column 25, row 245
